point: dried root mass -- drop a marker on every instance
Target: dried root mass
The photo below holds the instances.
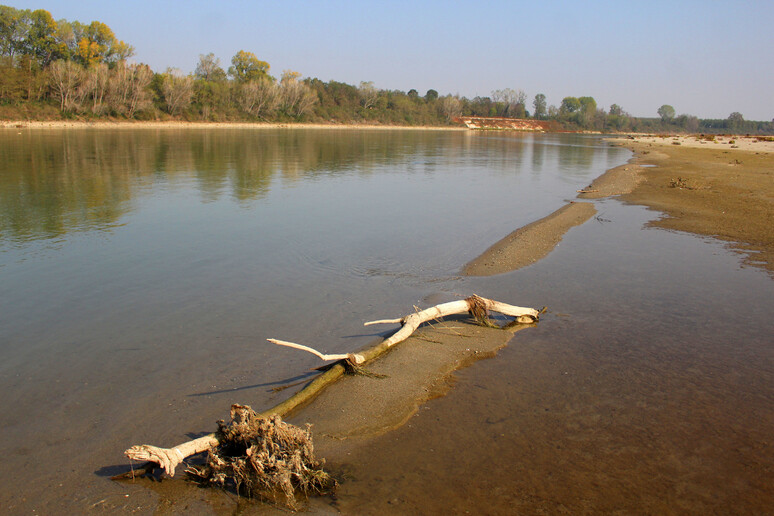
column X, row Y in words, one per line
column 264, row 458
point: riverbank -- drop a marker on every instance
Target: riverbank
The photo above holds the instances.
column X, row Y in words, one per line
column 722, row 188
column 104, row 124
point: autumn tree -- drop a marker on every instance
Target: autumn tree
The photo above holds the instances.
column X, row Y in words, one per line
column 451, row 106
column 666, row 112
column 296, row 97
column 209, row 68
column 688, row 122
column 94, row 86
column 511, row 102
column 64, row 79
column 539, row 105
column 128, row 91
column 368, row 94
column 259, row 97
column 177, row 90
column 98, row 44
column 246, row 67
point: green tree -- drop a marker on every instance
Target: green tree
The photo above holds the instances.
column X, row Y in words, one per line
column 431, row 95
column 569, row 105
column 735, row 121
column 615, row 110
column 588, row 111
column 246, row 67
column 11, row 31
column 666, row 112
column 40, row 41
column 540, row 106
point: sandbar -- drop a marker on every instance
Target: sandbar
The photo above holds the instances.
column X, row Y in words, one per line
column 530, row 243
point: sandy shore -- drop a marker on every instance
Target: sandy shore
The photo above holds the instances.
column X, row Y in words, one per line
column 719, row 189
column 125, row 124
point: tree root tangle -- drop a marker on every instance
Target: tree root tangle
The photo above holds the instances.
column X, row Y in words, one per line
column 263, row 458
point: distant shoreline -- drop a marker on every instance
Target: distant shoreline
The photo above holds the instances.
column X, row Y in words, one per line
column 103, row 124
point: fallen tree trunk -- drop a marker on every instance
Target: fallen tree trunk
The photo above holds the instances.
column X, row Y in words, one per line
column 170, row 458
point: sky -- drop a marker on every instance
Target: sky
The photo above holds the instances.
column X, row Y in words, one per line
column 705, row 58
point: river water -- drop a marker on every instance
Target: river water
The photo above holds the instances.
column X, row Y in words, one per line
column 142, row 270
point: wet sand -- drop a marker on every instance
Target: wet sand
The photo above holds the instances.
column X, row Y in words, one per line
column 530, row 243
column 719, row 189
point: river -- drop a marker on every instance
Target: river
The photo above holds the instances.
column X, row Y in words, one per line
column 142, row 270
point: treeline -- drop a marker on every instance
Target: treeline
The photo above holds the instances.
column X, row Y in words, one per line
column 60, row 69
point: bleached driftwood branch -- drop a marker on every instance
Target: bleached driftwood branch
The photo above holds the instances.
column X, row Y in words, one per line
column 170, row 458
column 358, row 359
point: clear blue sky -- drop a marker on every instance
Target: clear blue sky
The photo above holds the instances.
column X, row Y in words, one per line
column 707, row 58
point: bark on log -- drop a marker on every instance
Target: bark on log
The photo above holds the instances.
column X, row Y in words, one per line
column 170, row 458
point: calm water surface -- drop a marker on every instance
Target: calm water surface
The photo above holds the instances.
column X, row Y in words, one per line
column 141, row 271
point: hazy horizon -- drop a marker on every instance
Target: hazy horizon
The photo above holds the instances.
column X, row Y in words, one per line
column 707, row 59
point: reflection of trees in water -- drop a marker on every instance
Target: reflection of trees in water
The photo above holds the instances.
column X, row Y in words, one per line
column 538, row 157
column 53, row 182
column 577, row 156
column 504, row 151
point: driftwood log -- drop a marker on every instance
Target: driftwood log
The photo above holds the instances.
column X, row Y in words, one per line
column 169, row 458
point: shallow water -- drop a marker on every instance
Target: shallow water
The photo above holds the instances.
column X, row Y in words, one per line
column 648, row 388
column 141, row 271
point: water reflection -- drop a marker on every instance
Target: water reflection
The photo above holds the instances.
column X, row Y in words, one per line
column 53, row 182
